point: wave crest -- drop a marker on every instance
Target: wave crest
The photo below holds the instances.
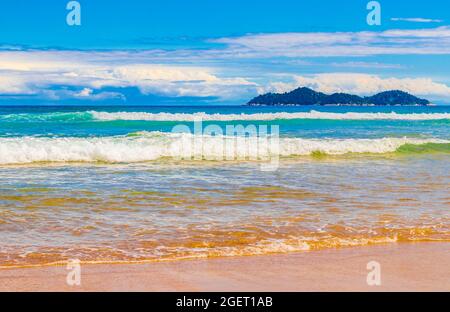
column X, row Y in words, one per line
column 189, row 117
column 107, row 116
column 43, row 117
column 148, row 146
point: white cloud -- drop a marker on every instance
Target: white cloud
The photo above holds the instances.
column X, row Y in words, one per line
column 85, row 92
column 12, row 84
column 32, row 72
column 171, row 73
column 412, row 41
column 362, row 84
column 367, row 65
column 416, row 20
column 417, row 35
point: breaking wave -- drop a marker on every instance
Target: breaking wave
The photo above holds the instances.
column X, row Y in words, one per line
column 148, row 146
column 144, row 116
column 265, row 116
column 42, row 117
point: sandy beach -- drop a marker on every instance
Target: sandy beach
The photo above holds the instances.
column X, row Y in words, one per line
column 227, row 146
column 404, row 267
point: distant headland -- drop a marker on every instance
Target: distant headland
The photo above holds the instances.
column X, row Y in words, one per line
column 306, row 96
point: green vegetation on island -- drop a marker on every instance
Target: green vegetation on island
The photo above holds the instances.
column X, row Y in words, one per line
column 306, row 96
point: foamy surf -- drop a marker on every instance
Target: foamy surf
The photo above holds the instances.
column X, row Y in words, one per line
column 190, row 117
column 143, row 116
column 149, row 146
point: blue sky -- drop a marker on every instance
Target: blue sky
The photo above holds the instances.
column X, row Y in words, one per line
column 219, row 52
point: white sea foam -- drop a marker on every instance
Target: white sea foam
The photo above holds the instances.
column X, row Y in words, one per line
column 148, row 146
column 264, row 116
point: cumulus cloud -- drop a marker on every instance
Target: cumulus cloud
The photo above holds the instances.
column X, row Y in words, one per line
column 84, row 94
column 218, row 70
column 13, row 84
column 33, row 72
column 363, row 84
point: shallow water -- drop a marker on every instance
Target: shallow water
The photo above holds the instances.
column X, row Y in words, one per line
column 384, row 186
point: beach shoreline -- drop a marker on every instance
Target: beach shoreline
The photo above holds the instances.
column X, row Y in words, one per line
column 420, row 266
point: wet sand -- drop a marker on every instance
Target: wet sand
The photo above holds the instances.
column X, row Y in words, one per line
column 404, row 267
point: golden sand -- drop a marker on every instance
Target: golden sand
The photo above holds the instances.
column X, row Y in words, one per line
column 403, row 267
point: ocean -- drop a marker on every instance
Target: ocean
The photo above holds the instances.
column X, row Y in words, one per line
column 118, row 185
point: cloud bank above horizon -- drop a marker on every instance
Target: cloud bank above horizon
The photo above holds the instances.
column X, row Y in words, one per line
column 363, row 84
column 232, row 68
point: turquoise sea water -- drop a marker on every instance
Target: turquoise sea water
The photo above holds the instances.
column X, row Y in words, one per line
column 106, row 184
column 81, row 121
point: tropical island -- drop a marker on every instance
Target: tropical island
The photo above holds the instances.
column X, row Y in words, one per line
column 307, row 96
